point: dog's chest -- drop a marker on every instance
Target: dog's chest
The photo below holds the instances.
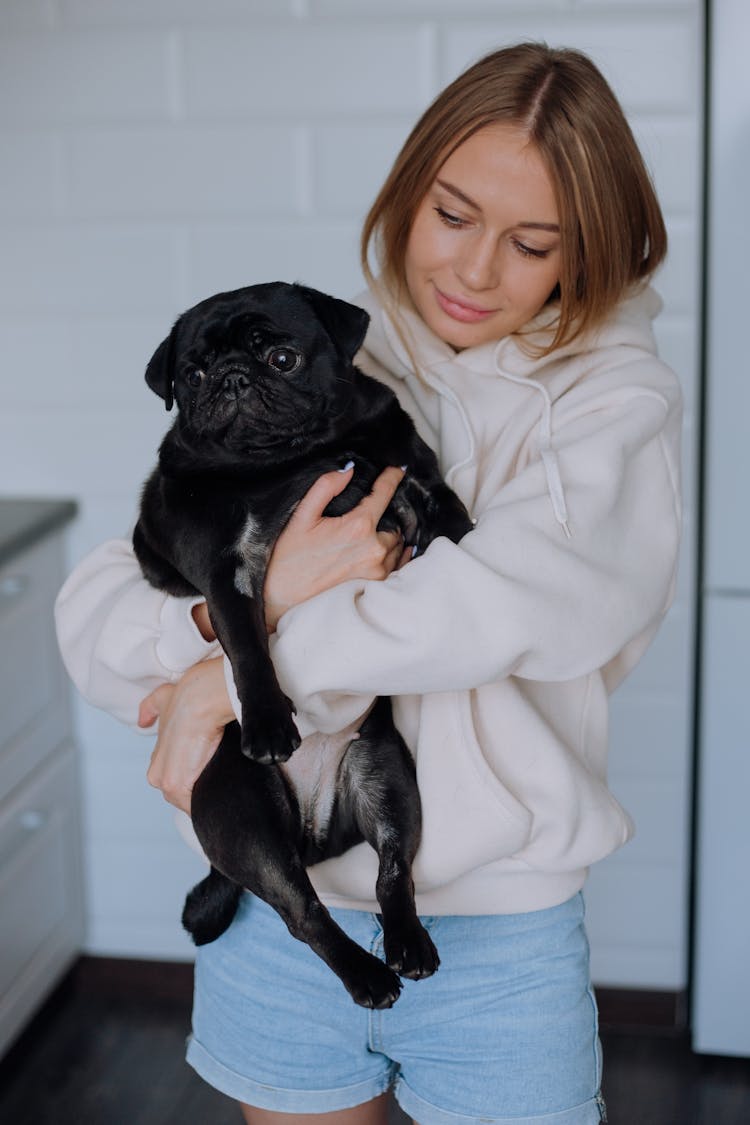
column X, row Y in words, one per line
column 252, row 549
column 313, row 773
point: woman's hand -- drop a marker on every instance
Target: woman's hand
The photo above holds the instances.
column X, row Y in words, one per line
column 315, row 552
column 192, row 715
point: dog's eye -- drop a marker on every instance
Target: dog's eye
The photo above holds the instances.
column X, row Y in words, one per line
column 196, row 377
column 285, row 360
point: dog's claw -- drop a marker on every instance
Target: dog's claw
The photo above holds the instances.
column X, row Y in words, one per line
column 380, row 989
column 412, row 955
column 270, row 739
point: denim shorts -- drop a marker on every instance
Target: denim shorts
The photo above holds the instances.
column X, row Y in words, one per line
column 505, row 1031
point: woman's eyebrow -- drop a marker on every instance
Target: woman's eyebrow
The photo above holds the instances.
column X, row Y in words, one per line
column 458, row 193
column 453, row 190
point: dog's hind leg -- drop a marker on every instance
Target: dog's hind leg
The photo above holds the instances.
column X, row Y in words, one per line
column 248, row 825
column 210, row 907
column 380, row 783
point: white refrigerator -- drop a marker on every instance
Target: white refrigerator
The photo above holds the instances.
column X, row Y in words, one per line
column 721, row 966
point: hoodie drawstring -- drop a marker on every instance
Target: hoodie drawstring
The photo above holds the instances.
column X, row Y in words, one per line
column 546, row 448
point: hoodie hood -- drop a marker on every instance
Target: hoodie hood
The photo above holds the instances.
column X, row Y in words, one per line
column 628, row 325
column 395, row 344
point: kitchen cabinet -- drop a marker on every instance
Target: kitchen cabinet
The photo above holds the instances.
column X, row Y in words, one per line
column 41, row 885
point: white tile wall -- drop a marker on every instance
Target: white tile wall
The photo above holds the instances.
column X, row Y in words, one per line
column 159, row 150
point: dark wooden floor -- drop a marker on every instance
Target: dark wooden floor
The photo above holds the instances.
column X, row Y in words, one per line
column 108, row 1050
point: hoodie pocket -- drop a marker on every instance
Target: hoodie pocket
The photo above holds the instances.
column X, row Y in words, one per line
column 469, row 818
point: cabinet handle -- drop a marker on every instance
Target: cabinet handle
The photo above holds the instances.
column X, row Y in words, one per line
column 19, row 833
column 12, row 587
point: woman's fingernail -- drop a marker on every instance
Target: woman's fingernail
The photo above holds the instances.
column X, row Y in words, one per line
column 404, row 467
column 345, row 468
column 414, row 550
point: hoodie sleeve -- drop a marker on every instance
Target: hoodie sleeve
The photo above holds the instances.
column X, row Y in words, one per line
column 515, row 597
column 119, row 637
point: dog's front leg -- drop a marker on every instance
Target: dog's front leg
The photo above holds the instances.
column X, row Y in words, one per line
column 268, row 730
column 437, row 508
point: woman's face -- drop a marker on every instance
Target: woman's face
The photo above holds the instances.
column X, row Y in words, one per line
column 483, row 254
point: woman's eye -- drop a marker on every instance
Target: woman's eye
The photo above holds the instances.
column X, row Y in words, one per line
column 196, row 377
column 449, row 219
column 285, row 360
column 529, row 251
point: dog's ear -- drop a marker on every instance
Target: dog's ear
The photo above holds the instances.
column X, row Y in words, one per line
column 346, row 324
column 160, row 370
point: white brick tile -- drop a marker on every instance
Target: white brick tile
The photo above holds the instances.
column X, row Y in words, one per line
column 31, row 174
column 74, row 453
column 651, row 62
column 351, row 162
column 83, row 77
column 178, row 171
column 677, row 338
column 649, row 737
column 337, row 69
column 630, row 964
column 672, row 150
column 666, row 667
column 323, row 256
column 88, row 270
column 678, row 279
column 27, row 15
column 636, row 904
column 113, row 13
column 109, row 516
column 95, row 361
column 137, row 886
column 660, row 811
column 432, row 9
column 628, row 6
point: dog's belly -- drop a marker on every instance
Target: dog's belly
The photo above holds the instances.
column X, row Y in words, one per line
column 312, row 772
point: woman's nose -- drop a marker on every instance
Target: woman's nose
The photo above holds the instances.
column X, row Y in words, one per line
column 479, row 267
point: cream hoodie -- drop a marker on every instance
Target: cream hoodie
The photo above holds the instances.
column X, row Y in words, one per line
column 501, row 651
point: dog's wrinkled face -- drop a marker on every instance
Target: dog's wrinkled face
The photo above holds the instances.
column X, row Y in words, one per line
column 259, row 368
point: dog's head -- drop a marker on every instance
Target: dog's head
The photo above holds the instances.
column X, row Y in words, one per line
column 259, row 368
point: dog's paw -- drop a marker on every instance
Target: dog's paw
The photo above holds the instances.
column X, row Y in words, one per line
column 269, row 742
column 374, row 986
column 410, row 951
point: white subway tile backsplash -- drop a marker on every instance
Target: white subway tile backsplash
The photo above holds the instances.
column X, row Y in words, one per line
column 98, row 361
column 651, row 60
column 679, row 278
column 671, row 147
column 177, row 171
column 27, row 15
column 430, row 9
column 649, row 736
column 31, row 180
column 639, row 904
column 677, row 339
column 351, row 163
column 87, row 77
column 345, row 71
column 85, row 268
column 322, row 255
column 75, row 452
column 158, row 151
column 140, row 13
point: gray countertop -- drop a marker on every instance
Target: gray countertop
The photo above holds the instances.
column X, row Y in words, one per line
column 24, row 522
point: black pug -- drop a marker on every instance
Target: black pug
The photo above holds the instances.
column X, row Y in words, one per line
column 269, row 400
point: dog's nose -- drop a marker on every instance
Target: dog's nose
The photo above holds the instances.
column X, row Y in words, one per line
column 235, row 381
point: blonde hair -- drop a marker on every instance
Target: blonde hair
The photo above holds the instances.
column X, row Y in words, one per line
column 612, row 232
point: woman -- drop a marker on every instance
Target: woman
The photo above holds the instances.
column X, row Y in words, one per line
column 515, row 238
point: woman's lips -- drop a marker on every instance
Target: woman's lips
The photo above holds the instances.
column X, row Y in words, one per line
column 460, row 310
